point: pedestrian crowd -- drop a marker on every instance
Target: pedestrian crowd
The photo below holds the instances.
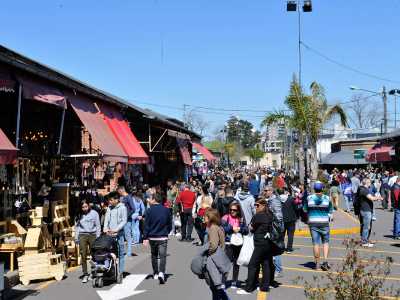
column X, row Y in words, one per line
column 242, row 218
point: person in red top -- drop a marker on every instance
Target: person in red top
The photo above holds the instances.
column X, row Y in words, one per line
column 280, row 181
column 186, row 200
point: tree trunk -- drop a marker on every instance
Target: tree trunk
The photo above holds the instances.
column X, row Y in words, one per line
column 313, row 162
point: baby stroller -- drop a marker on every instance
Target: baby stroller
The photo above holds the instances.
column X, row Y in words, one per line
column 104, row 263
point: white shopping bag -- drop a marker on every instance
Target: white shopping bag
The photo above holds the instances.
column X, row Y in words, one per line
column 247, row 251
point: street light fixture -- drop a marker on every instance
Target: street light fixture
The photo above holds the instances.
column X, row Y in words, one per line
column 307, row 7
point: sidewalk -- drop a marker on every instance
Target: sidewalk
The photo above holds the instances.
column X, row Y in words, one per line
column 343, row 223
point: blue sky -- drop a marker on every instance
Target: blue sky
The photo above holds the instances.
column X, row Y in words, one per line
column 236, row 54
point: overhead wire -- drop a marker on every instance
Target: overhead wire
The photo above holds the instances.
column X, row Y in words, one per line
column 344, row 66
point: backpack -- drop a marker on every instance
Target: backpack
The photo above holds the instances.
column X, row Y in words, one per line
column 277, row 237
column 130, row 209
column 356, row 203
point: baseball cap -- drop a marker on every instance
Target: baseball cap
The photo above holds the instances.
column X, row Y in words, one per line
column 318, row 186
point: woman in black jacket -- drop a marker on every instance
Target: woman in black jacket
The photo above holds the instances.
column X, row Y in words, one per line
column 260, row 226
column 289, row 217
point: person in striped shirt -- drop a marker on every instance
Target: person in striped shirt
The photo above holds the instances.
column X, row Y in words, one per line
column 319, row 209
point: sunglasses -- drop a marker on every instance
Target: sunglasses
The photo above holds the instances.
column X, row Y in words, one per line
column 235, row 210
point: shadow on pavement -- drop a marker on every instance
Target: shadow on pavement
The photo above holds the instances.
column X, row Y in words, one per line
column 15, row 294
column 308, row 265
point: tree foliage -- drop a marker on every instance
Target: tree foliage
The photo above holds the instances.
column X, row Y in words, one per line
column 242, row 132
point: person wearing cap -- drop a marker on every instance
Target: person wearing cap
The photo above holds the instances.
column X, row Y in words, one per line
column 319, row 209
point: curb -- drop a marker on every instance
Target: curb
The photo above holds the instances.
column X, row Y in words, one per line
column 337, row 231
column 341, row 231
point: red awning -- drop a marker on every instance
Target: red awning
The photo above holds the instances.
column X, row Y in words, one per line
column 94, row 122
column 380, row 153
column 184, row 150
column 203, row 150
column 40, row 91
column 124, row 135
column 8, row 153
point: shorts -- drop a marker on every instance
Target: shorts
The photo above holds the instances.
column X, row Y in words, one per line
column 320, row 234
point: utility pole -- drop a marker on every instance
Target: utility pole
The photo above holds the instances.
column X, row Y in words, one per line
column 385, row 119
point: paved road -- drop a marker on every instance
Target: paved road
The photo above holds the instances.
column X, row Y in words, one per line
column 182, row 284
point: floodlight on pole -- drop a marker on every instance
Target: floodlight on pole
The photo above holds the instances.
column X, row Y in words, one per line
column 291, row 6
column 307, row 6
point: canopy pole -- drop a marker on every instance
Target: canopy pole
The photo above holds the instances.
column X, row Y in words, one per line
column 61, row 131
column 18, row 116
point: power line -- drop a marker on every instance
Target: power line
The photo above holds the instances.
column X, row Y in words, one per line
column 347, row 67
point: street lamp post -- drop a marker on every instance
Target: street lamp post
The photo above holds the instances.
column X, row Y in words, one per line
column 307, row 7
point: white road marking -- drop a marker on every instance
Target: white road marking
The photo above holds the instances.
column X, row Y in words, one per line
column 124, row 290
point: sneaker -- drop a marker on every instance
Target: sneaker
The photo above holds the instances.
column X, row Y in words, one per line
column 373, row 218
column 161, row 278
column 289, row 251
column 278, row 275
column 155, row 276
column 243, row 292
column 367, row 245
column 85, row 278
column 325, row 266
column 234, row 285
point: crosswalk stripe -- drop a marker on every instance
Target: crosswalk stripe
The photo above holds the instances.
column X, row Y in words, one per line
column 359, row 249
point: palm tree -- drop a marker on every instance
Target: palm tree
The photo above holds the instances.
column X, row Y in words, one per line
column 308, row 115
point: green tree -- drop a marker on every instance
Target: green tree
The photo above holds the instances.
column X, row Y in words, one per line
column 255, row 154
column 308, row 114
column 242, row 132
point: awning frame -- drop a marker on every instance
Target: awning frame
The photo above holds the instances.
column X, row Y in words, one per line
column 165, row 132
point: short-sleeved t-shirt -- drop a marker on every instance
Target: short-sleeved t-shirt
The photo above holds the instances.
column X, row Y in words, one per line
column 365, row 203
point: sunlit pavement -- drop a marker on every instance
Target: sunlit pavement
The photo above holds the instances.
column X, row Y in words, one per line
column 182, row 284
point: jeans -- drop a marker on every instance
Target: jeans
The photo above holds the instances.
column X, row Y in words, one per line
column 187, row 224
column 136, row 231
column 158, row 252
column 261, row 255
column 85, row 243
column 347, row 201
column 128, row 236
column 278, row 263
column 121, row 251
column 201, row 231
column 365, row 226
column 396, row 223
column 290, row 228
column 233, row 252
column 320, row 234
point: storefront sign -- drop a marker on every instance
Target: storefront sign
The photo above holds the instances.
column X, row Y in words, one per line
column 7, row 85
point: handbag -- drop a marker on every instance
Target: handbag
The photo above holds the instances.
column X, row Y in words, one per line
column 237, row 239
column 247, row 251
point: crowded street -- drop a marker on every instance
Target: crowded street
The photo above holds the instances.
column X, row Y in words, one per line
column 223, row 150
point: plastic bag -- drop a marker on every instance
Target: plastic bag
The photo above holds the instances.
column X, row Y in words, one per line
column 247, row 251
column 237, row 239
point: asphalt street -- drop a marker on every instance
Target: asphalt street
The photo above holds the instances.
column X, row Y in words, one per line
column 182, row 284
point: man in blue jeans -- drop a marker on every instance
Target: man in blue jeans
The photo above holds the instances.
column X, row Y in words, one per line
column 396, row 208
column 127, row 199
column 114, row 222
column 319, row 209
column 366, row 207
column 137, row 217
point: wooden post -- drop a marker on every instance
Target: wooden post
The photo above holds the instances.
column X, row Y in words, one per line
column 61, row 132
column 18, row 116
